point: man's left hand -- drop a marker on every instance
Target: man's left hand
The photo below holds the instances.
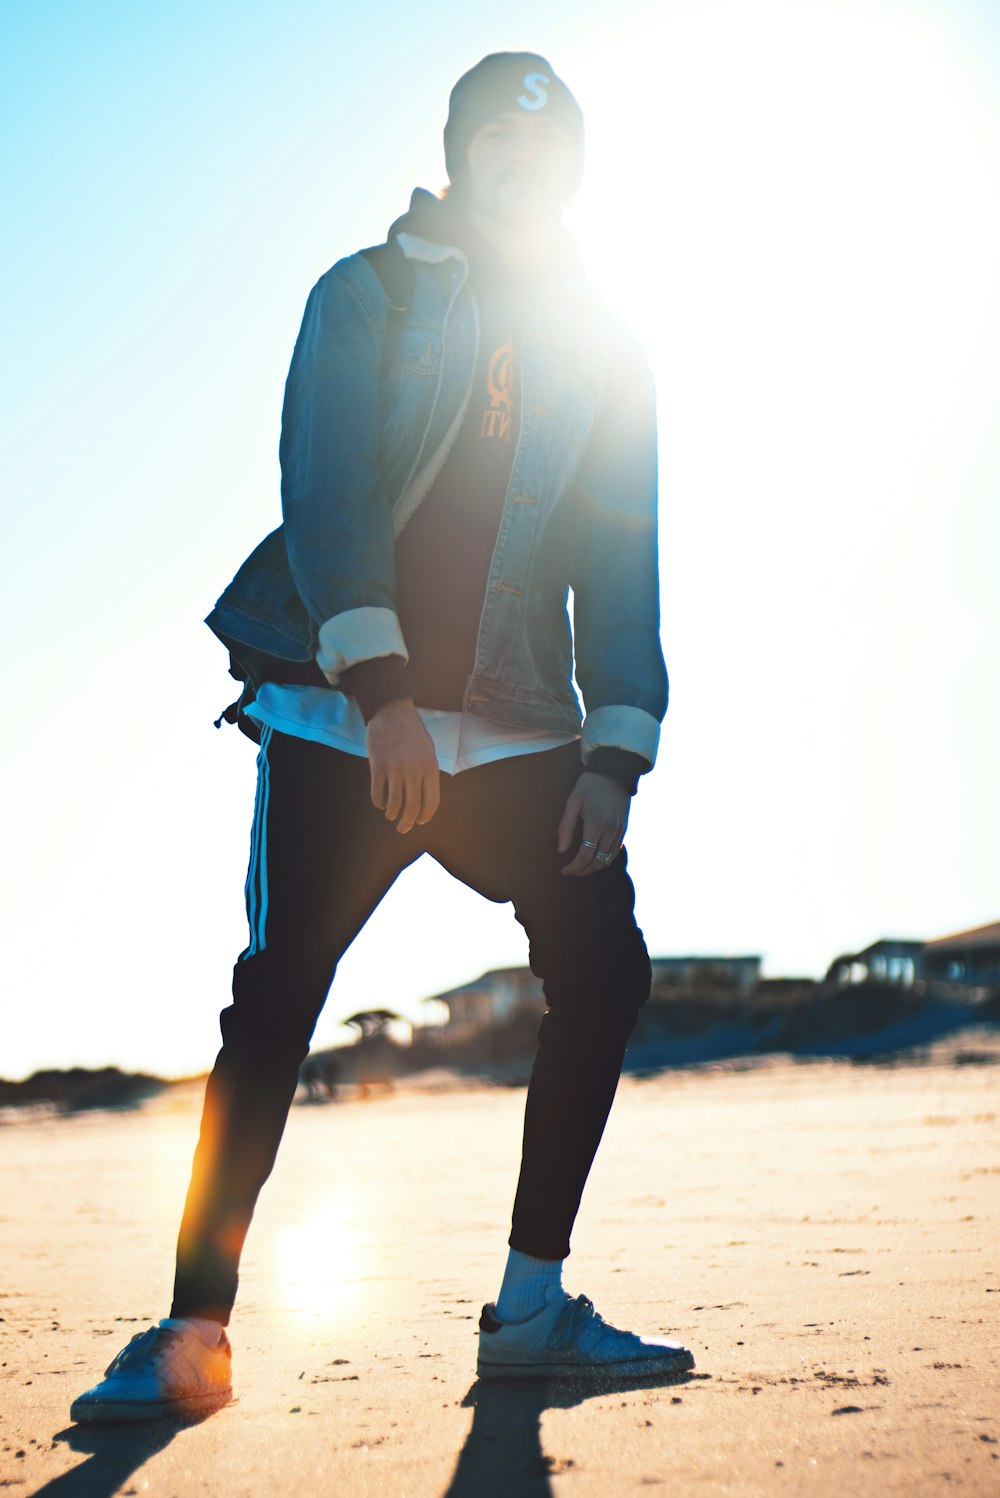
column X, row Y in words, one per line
column 601, row 804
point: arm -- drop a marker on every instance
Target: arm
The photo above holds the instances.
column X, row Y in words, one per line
column 405, row 779
column 338, row 528
column 615, row 581
column 614, row 569
column 339, row 535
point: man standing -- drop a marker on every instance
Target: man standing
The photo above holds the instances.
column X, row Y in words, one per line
column 467, row 434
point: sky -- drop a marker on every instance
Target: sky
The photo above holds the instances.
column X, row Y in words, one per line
column 794, row 203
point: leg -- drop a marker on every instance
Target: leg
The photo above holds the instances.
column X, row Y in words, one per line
column 586, row 947
column 499, row 835
column 321, row 859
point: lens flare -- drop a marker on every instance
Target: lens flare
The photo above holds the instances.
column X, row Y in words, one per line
column 319, row 1260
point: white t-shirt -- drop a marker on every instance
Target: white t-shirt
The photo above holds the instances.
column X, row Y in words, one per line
column 329, row 717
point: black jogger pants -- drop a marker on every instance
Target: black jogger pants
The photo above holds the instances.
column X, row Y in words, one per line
column 322, row 857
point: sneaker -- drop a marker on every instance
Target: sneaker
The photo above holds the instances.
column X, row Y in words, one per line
column 164, row 1371
column 567, row 1338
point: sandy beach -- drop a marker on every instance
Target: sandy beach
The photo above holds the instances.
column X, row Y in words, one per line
column 825, row 1237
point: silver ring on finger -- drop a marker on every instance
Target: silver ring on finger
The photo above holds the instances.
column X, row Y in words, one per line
column 586, row 843
column 604, row 857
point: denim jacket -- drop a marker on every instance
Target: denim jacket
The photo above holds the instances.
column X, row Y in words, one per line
column 363, row 440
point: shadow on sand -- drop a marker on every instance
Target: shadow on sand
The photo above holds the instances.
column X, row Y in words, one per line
column 115, row 1451
column 503, row 1452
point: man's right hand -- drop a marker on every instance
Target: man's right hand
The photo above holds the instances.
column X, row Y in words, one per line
column 406, row 781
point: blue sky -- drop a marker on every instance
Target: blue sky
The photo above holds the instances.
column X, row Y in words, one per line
column 794, row 204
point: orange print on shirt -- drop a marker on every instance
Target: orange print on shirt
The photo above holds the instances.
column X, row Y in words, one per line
column 500, row 388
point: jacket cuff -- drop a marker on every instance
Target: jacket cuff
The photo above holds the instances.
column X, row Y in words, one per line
column 373, row 683
column 621, row 728
column 357, row 635
column 621, row 765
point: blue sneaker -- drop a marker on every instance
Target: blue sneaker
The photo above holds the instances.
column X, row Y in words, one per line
column 568, row 1339
column 163, row 1372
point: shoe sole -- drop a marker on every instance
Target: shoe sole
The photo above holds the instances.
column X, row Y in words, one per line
column 117, row 1412
column 678, row 1362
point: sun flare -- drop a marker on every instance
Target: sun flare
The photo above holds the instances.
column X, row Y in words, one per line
column 319, row 1260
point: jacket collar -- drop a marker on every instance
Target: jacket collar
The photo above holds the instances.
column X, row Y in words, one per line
column 434, row 230
column 429, row 251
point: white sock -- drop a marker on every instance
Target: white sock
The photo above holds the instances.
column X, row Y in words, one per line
column 525, row 1281
column 208, row 1330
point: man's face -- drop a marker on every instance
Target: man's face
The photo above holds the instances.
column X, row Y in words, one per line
column 522, row 168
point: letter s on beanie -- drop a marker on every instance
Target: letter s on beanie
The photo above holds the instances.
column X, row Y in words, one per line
column 538, row 97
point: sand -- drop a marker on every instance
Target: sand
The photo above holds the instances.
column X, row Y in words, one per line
column 826, row 1238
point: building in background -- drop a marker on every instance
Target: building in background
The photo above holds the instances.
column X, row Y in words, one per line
column 494, row 996
column 488, row 1000
column 889, row 960
column 742, row 973
column 970, row 959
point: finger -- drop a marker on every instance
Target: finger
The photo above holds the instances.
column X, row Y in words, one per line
column 610, row 847
column 583, row 863
column 431, row 797
column 603, row 860
column 599, row 845
column 379, row 789
column 567, row 827
column 394, row 796
column 412, row 801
